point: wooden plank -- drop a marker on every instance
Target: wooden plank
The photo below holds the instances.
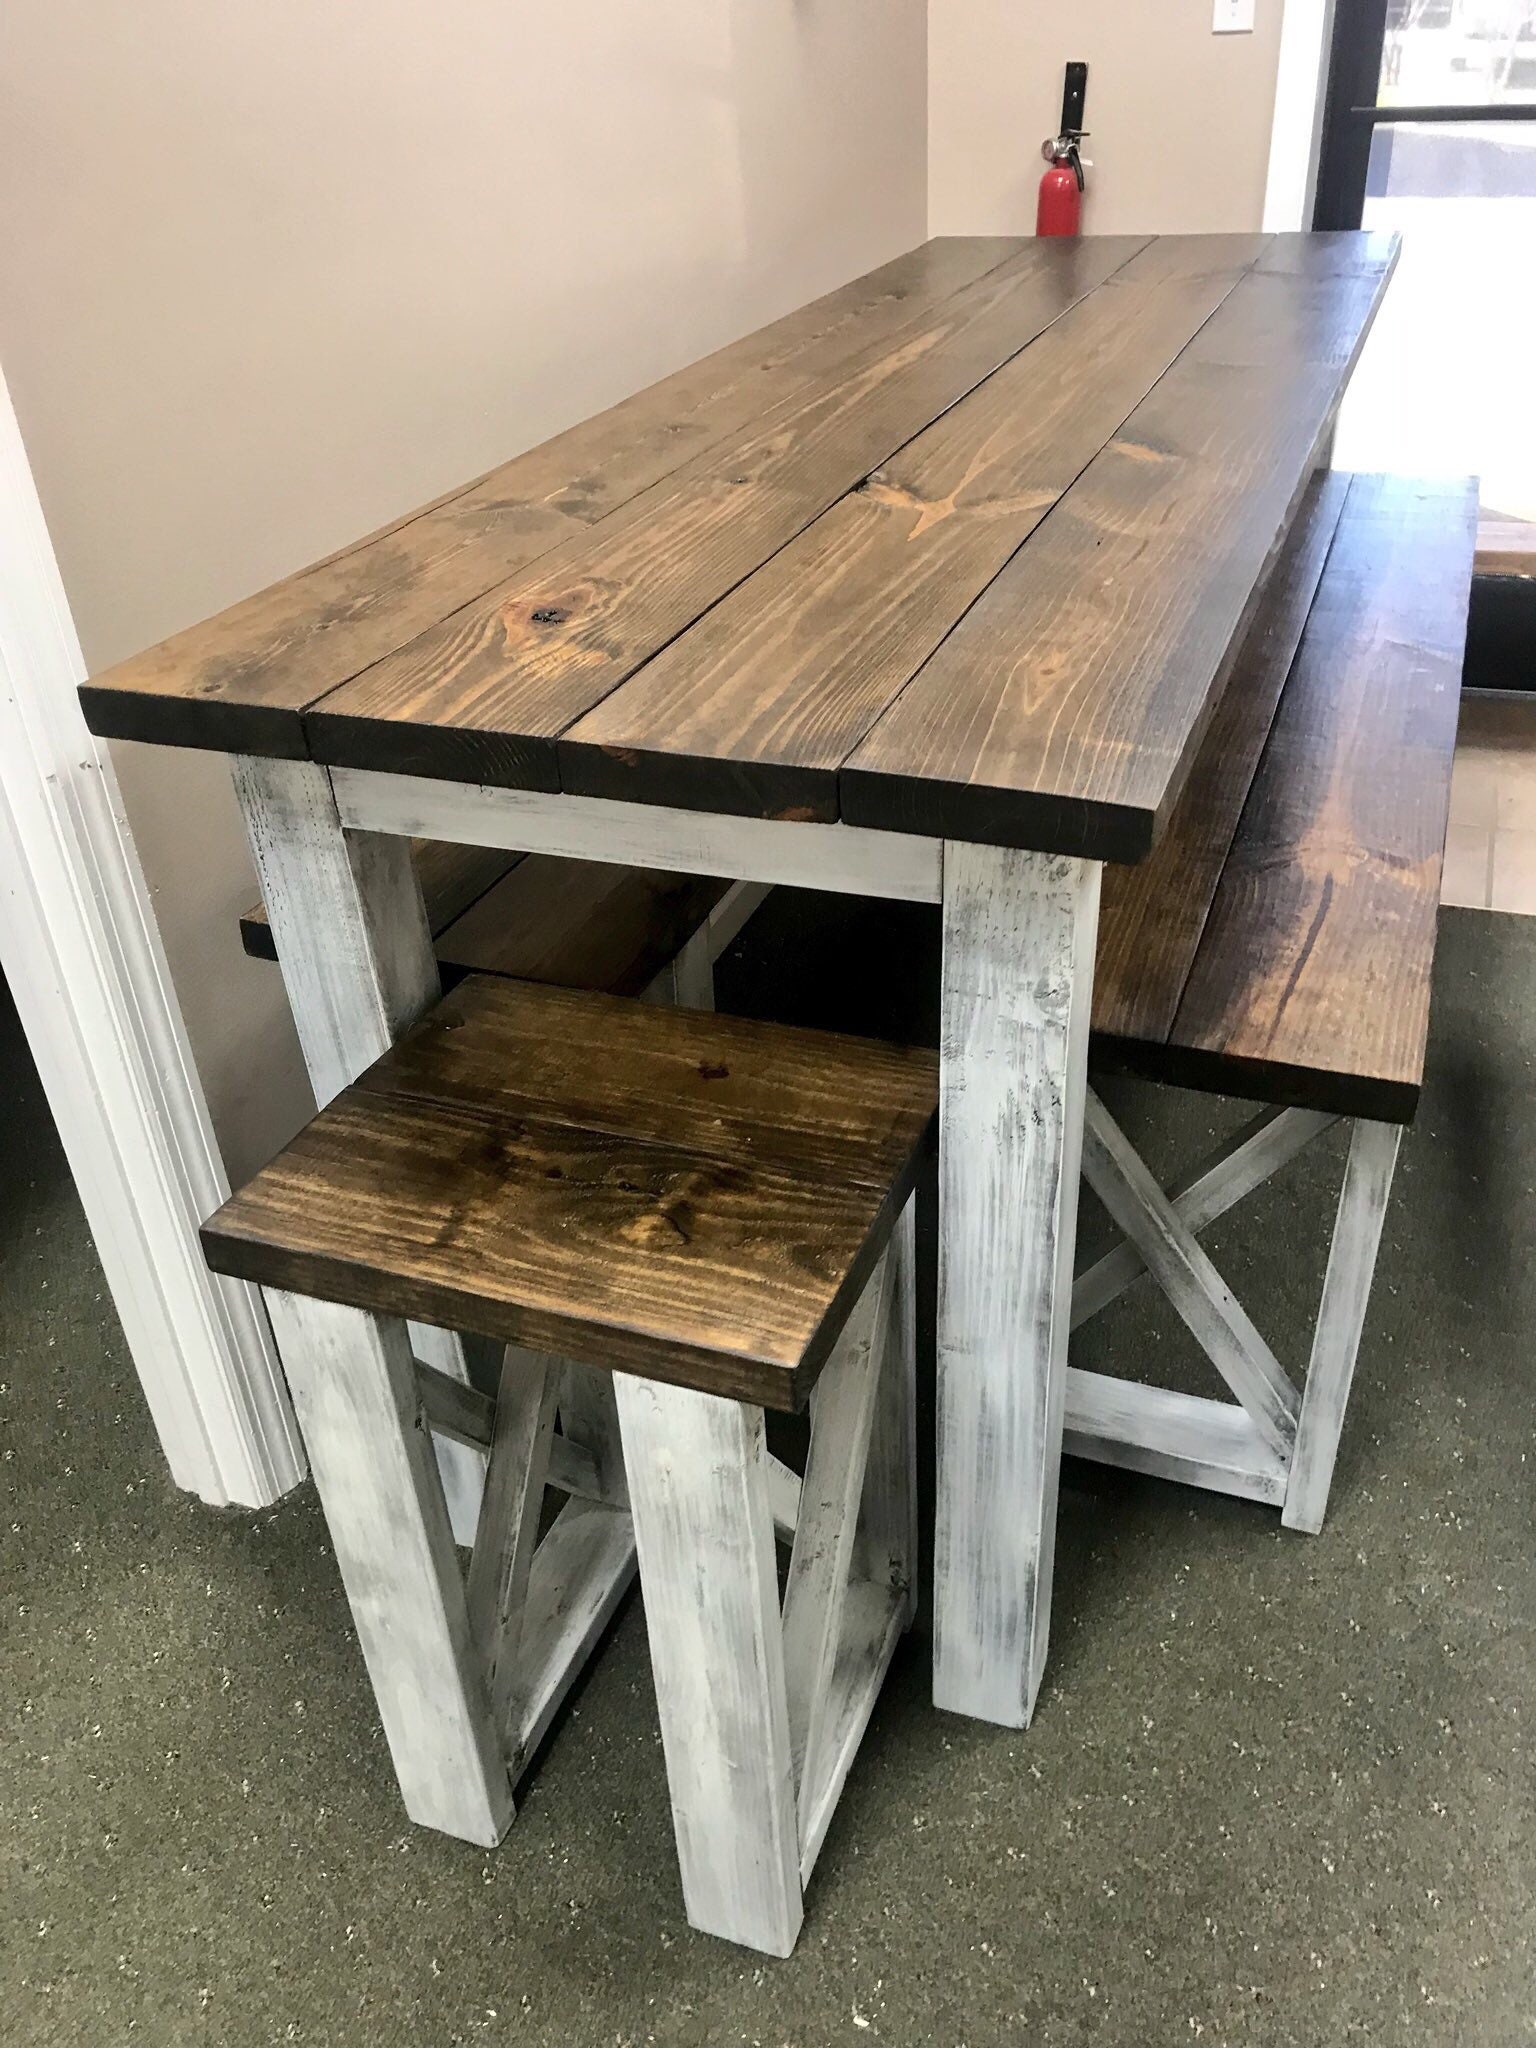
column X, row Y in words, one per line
column 886, row 1548
column 710, row 1581
column 842, row 1411
column 589, row 1419
column 755, row 708
column 1215, row 1317
column 649, row 1257
column 1271, row 1140
column 354, row 1390
column 1152, row 914
column 1312, row 978
column 898, row 866
column 580, row 1573
column 1065, row 708
column 693, row 1197
column 1018, row 973
column 874, row 1618
column 508, row 1529
column 451, row 879
column 454, row 1408
column 485, row 695
column 1331, row 253
column 1341, row 1319
column 580, row 924
column 1214, row 1444
column 239, row 680
column 735, row 1089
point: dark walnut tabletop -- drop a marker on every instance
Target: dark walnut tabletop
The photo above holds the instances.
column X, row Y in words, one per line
column 964, row 548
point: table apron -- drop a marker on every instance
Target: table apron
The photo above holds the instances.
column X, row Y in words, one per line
column 850, row 859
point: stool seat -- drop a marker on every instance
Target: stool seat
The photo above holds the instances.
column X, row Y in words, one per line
column 695, row 1198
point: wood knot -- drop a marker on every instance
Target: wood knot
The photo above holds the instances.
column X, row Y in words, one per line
column 656, row 1229
column 713, row 1070
column 549, row 615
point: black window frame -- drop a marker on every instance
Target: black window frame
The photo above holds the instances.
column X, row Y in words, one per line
column 1351, row 115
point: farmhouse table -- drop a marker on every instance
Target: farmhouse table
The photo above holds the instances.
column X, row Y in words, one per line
column 927, row 591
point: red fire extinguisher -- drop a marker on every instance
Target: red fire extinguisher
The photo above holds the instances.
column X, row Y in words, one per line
column 1060, row 208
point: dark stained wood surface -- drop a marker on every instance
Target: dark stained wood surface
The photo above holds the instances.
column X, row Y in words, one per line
column 966, row 548
column 572, row 923
column 694, row 1197
column 1314, row 968
column 1151, row 915
column 579, row 924
column 1306, row 959
column 241, row 680
column 1066, row 706
column 485, row 697
column 757, row 707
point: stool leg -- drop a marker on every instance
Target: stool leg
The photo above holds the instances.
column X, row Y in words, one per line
column 698, row 1485
column 353, row 1383
column 886, row 1547
column 1340, row 1320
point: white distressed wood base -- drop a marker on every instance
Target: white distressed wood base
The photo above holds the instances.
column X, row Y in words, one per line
column 1019, row 935
column 354, row 1391
column 467, row 1677
column 1171, row 1435
column 762, row 1711
column 1257, row 1447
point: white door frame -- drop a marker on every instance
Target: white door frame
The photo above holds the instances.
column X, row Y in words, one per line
column 83, row 958
column 1295, row 137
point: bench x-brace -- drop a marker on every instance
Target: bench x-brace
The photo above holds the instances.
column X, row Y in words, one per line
column 1270, row 1443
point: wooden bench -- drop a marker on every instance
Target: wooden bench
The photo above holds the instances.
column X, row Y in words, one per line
column 670, row 1218
column 570, row 923
column 1278, row 945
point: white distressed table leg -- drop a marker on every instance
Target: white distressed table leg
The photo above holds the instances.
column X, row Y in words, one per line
column 1336, row 1341
column 704, row 1530
column 354, row 1390
column 1019, row 937
column 357, row 962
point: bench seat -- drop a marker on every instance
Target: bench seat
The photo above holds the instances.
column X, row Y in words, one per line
column 1278, row 943
column 568, row 923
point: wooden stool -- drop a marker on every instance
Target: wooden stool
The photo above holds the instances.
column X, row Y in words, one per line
column 673, row 1220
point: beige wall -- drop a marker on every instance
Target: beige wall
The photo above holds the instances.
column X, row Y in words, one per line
column 272, row 271
column 1179, row 118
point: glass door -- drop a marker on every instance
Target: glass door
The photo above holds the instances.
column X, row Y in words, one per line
column 1430, row 129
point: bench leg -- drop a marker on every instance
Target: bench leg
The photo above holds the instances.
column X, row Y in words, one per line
column 703, row 1524
column 1336, row 1342
column 1019, row 936
column 357, row 963
column 353, row 1382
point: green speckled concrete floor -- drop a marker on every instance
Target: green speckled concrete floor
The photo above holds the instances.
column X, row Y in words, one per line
column 1279, row 1790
